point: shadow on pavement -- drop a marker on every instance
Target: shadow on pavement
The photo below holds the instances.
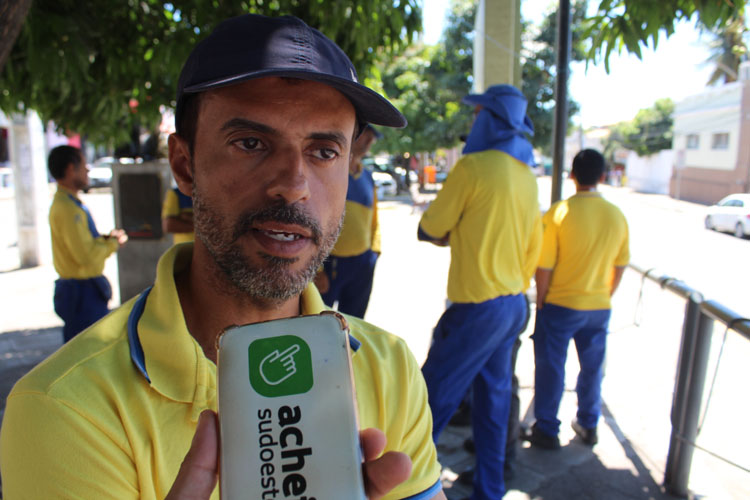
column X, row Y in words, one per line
column 22, row 350
column 576, row 471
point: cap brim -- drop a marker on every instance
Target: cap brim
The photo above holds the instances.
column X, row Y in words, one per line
column 371, row 107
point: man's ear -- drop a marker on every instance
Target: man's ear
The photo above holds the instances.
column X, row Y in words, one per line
column 69, row 171
column 180, row 161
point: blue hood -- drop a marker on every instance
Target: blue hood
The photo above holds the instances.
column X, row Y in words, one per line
column 501, row 124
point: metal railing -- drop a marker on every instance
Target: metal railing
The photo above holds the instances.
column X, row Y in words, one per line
column 692, row 368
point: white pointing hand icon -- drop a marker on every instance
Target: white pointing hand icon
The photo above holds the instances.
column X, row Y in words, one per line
column 279, row 365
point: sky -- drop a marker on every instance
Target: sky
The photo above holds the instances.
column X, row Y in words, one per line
column 675, row 70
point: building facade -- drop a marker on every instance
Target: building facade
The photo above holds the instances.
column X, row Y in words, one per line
column 712, row 142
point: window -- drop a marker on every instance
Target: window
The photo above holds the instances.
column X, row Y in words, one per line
column 720, row 141
column 731, row 203
column 693, row 141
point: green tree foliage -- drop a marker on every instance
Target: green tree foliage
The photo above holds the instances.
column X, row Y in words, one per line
column 427, row 85
column 633, row 24
column 649, row 132
column 539, row 71
column 100, row 67
column 728, row 50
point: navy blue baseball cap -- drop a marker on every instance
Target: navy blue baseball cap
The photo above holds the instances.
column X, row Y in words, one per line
column 253, row 46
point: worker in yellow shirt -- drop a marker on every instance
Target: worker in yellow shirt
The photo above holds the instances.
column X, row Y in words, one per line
column 267, row 109
column 585, row 251
column 78, row 250
column 177, row 216
column 347, row 273
column 488, row 212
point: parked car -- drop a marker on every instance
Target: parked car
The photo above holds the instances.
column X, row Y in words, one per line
column 385, row 184
column 731, row 214
column 100, row 173
column 398, row 174
column 99, row 176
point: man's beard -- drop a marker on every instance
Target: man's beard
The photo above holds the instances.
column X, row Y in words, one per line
column 273, row 282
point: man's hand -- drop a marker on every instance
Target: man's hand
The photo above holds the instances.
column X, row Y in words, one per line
column 199, row 472
column 120, row 235
column 322, row 282
column 443, row 242
column 382, row 473
column 542, row 278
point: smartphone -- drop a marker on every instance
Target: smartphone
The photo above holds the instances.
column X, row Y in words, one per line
column 287, row 411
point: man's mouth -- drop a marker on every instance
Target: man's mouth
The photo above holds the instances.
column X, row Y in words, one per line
column 281, row 236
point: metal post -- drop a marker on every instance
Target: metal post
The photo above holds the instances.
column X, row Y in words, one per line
column 561, row 97
column 688, row 395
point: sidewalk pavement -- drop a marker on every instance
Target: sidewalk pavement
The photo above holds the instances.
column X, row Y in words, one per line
column 615, row 469
column 628, row 462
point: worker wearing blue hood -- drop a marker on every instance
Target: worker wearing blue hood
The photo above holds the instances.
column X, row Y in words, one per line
column 488, row 212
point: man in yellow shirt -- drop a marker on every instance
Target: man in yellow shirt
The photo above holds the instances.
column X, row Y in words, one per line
column 177, row 216
column 78, row 250
column 585, row 251
column 267, row 110
column 488, row 211
column 347, row 274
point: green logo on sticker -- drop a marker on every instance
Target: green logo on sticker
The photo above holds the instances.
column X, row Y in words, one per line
column 280, row 366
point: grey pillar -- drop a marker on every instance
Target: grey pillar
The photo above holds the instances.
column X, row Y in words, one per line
column 32, row 192
column 497, row 42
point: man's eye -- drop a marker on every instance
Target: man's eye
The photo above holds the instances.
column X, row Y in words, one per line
column 327, row 154
column 248, row 144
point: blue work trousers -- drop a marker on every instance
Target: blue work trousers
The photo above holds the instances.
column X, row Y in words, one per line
column 81, row 303
column 472, row 347
column 555, row 327
column 350, row 282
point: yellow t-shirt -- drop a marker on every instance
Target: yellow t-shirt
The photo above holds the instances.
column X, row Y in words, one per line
column 76, row 254
column 171, row 208
column 585, row 238
column 361, row 231
column 86, row 423
column 490, row 206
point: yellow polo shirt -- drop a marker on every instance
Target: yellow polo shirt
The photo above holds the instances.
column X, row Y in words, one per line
column 171, row 208
column 86, row 423
column 490, row 206
column 585, row 238
column 76, row 254
column 361, row 231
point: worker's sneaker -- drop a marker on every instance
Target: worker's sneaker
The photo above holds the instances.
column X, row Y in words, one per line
column 539, row 439
column 469, row 446
column 466, row 477
column 461, row 417
column 588, row 436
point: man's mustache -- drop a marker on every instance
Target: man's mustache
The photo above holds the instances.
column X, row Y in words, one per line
column 286, row 214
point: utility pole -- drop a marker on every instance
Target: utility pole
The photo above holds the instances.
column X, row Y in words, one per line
column 564, row 41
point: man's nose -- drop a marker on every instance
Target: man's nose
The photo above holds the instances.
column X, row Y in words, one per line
column 289, row 181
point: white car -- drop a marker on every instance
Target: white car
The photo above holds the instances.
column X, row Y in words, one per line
column 99, row 176
column 385, row 184
column 731, row 214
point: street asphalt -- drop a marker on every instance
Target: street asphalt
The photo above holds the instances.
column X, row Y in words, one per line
column 627, row 463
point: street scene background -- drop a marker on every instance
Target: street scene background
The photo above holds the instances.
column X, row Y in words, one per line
column 409, row 296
